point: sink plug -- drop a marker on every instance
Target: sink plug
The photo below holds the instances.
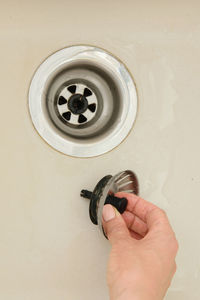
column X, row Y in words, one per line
column 119, row 203
column 104, row 193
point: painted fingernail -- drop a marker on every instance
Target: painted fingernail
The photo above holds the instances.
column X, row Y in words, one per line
column 116, row 212
column 109, row 212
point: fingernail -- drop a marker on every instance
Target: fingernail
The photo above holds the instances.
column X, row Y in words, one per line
column 109, row 212
column 116, row 212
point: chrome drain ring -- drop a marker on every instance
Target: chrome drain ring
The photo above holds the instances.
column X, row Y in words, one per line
column 114, row 101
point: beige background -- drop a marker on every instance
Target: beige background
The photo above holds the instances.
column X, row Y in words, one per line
column 48, row 247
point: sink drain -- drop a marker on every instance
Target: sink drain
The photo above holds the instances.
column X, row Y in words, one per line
column 77, row 104
column 82, row 101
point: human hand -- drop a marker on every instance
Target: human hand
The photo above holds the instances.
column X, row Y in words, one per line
column 144, row 247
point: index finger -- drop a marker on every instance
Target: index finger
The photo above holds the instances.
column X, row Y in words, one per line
column 146, row 211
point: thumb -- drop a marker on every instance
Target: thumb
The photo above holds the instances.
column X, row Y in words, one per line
column 114, row 225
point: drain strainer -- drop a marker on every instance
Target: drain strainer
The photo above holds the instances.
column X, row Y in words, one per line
column 104, row 193
column 77, row 104
column 82, row 101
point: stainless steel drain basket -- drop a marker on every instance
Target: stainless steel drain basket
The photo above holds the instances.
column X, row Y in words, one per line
column 82, row 101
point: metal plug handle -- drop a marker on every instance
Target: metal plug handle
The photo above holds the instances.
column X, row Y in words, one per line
column 105, row 191
column 119, row 203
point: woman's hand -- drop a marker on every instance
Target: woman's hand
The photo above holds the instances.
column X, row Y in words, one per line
column 144, row 247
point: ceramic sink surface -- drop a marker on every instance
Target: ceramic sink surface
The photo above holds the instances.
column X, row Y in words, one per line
column 49, row 249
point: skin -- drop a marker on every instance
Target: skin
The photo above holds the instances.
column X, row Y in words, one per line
column 142, row 258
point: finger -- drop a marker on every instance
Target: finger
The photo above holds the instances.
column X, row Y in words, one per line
column 146, row 211
column 137, row 205
column 157, row 219
column 134, row 223
column 135, row 235
column 114, row 225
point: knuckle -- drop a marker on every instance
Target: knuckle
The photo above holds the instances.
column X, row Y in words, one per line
column 174, row 268
column 163, row 212
column 175, row 242
column 174, row 246
column 159, row 212
column 160, row 217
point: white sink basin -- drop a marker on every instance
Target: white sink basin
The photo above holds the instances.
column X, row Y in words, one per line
column 49, row 249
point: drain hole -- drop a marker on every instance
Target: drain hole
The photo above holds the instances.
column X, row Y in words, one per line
column 67, row 115
column 77, row 104
column 72, row 89
column 62, row 100
column 87, row 92
column 92, row 107
column 82, row 119
column 74, row 108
